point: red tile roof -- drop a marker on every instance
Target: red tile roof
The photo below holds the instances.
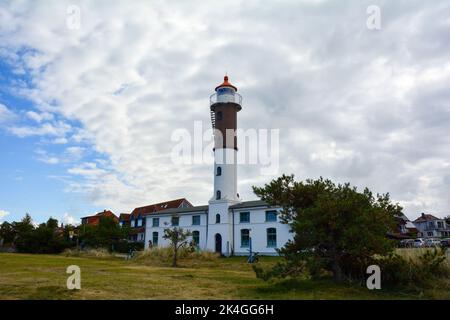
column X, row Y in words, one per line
column 172, row 204
column 124, row 217
column 95, row 219
column 426, row 217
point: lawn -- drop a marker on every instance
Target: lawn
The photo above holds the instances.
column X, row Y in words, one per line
column 27, row 276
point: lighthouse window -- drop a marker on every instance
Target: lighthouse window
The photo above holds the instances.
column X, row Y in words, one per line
column 225, row 91
column 217, row 218
column 245, row 238
column 219, row 115
column 218, row 195
column 219, row 171
column 271, row 237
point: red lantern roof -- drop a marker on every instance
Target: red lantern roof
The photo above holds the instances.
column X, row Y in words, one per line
column 226, row 84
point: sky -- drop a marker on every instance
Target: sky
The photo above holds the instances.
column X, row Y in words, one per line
column 91, row 93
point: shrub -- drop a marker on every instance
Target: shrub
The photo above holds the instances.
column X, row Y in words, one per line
column 425, row 270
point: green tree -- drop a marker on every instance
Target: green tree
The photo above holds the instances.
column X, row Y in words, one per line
column 178, row 238
column 336, row 228
column 106, row 234
column 7, row 233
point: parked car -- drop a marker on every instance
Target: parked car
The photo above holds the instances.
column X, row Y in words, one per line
column 407, row 243
column 419, row 243
column 445, row 243
column 432, row 243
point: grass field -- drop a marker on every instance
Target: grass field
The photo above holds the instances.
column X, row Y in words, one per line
column 26, row 276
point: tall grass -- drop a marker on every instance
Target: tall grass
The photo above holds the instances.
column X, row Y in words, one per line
column 162, row 256
column 94, row 253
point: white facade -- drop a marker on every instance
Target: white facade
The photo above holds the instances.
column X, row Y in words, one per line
column 233, row 227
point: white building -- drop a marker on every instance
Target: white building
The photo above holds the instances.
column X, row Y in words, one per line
column 226, row 225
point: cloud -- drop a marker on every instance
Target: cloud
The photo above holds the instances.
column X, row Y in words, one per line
column 58, row 129
column 39, row 117
column 5, row 114
column 3, row 213
column 69, row 219
column 368, row 107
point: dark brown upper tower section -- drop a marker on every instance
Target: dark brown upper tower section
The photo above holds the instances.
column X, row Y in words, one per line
column 225, row 104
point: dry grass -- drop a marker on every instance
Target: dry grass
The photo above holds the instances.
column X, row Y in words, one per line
column 414, row 253
column 160, row 256
column 94, row 253
column 27, row 276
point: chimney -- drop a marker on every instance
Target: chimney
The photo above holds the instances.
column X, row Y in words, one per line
column 423, row 215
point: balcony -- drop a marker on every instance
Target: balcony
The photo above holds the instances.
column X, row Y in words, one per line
column 225, row 98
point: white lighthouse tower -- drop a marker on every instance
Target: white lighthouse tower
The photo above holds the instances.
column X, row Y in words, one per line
column 225, row 103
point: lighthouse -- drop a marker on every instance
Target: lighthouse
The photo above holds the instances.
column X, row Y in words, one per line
column 225, row 103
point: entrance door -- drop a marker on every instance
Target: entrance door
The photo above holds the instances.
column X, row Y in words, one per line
column 218, row 243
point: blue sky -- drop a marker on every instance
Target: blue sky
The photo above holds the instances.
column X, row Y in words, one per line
column 89, row 102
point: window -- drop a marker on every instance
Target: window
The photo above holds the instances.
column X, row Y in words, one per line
column 244, row 217
column 217, row 218
column 218, row 195
column 219, row 171
column 430, row 234
column 195, row 220
column 175, row 221
column 139, row 222
column 271, row 216
column 133, row 224
column 271, row 237
column 196, row 237
column 440, row 224
column 219, row 115
column 121, row 223
column 245, row 238
column 141, row 237
column 156, row 222
column 431, row 224
column 155, row 238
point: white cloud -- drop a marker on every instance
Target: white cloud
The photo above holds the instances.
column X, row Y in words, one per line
column 69, row 219
column 58, row 129
column 5, row 114
column 39, row 117
column 354, row 105
column 3, row 213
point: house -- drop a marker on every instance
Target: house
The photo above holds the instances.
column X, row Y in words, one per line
column 430, row 226
column 227, row 224
column 124, row 219
column 95, row 219
column 404, row 228
column 138, row 217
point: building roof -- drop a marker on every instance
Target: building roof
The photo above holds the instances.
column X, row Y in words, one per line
column 183, row 210
column 95, row 219
column 102, row 213
column 124, row 217
column 226, row 84
column 426, row 217
column 152, row 208
column 249, row 204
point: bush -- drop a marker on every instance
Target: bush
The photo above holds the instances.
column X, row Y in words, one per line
column 417, row 272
